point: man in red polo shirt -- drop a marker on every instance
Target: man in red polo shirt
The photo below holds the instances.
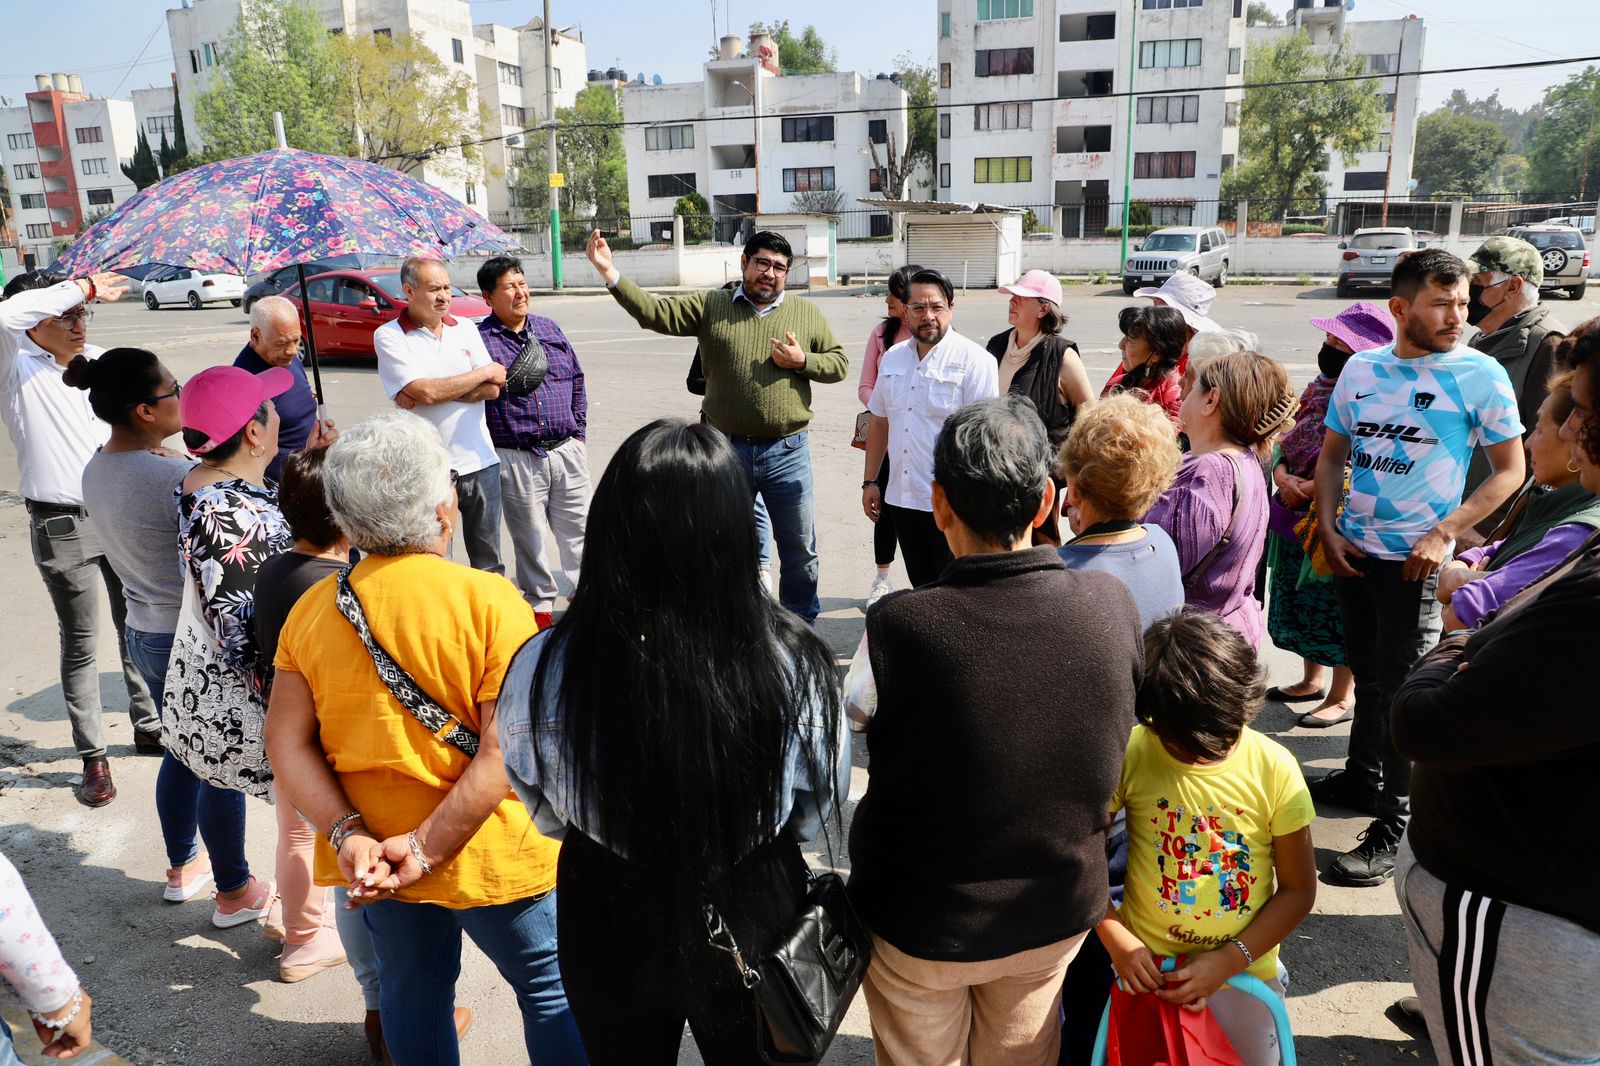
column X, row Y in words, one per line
column 435, row 365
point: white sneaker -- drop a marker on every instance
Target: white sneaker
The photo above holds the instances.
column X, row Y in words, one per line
column 766, row 580
column 882, row 585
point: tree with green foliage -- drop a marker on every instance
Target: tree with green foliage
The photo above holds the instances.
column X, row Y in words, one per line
column 1510, row 174
column 1287, row 131
column 1455, row 151
column 589, row 145
column 180, row 142
column 279, row 57
column 403, row 106
column 141, row 170
column 1515, row 124
column 1259, row 14
column 819, row 201
column 1564, row 146
column 921, row 83
column 696, row 216
column 805, row 54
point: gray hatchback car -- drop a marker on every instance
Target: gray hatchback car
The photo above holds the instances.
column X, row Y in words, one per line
column 1369, row 256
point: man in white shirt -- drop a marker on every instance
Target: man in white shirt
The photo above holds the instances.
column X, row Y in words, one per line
column 43, row 326
column 435, row 365
column 921, row 382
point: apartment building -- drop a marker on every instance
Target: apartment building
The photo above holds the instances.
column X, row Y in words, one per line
column 511, row 82
column 1035, row 99
column 155, row 109
column 63, row 151
column 506, row 63
column 1388, row 47
column 750, row 139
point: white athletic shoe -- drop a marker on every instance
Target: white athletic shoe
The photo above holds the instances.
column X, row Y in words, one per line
column 766, row 579
column 882, row 585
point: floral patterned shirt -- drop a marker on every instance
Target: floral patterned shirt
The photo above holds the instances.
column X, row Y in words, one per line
column 30, row 962
column 225, row 532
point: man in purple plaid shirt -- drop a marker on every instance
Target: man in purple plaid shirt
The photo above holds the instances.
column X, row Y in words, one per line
column 541, row 438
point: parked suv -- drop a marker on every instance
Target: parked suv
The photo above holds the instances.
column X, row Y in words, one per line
column 1566, row 257
column 1369, row 256
column 1203, row 251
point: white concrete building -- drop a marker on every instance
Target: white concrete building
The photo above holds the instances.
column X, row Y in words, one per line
column 1028, row 115
column 63, row 152
column 1389, row 46
column 155, row 111
column 706, row 137
column 506, row 63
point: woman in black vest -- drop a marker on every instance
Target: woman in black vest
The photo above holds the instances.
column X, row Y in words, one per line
column 1039, row 363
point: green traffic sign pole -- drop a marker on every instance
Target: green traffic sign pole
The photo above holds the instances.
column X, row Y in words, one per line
column 1127, row 149
column 555, row 242
column 550, row 117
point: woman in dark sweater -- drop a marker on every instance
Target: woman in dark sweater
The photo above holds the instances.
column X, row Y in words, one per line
column 1496, row 873
column 977, row 853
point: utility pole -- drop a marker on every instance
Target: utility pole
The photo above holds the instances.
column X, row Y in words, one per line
column 550, row 125
column 1127, row 149
column 1394, row 119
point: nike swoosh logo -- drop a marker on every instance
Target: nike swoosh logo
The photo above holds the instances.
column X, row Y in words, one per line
column 1364, row 395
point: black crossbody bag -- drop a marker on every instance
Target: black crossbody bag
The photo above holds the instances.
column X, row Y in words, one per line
column 802, row 984
column 528, row 370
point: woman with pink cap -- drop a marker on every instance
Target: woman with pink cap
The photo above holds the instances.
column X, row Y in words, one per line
column 1302, row 611
column 215, row 700
column 1039, row 363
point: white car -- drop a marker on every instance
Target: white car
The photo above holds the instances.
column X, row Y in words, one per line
column 191, row 287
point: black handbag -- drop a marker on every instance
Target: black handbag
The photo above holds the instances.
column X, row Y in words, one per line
column 528, row 370
column 803, row 984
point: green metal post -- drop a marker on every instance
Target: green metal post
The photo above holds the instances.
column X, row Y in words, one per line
column 1127, row 149
column 550, row 117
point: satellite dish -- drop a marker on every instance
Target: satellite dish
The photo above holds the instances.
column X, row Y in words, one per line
column 655, row 79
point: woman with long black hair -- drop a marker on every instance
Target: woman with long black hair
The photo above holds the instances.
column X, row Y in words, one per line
column 885, row 335
column 684, row 731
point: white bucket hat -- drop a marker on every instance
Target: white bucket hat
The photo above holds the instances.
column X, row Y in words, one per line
column 1189, row 295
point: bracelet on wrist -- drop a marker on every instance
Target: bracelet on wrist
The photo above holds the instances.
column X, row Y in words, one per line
column 416, row 853
column 1249, row 959
column 869, row 481
column 342, row 828
column 59, row 1024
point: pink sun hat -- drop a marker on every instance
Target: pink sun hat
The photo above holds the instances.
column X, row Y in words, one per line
column 1363, row 326
column 220, row 400
column 1039, row 284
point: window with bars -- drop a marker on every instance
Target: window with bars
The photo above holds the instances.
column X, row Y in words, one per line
column 1162, row 5
column 38, row 231
column 807, row 179
column 1172, row 214
column 999, row 62
column 15, row 141
column 513, row 116
column 881, row 226
column 510, row 74
column 988, row 10
column 457, row 53
column 878, row 130
column 1383, row 64
column 874, row 179
column 998, row 170
column 156, row 125
column 89, row 134
column 93, row 166
column 32, row 201
column 1230, row 113
column 1002, row 117
column 1182, row 52
column 1167, row 109
column 673, row 185
column 100, row 197
column 24, row 171
column 668, row 138
column 817, row 128
column 1163, row 164
column 1385, row 141
column 1235, row 60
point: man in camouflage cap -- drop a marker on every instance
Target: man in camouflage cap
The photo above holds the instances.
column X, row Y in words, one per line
column 1517, row 331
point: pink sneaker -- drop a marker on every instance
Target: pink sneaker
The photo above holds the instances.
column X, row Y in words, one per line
column 299, row 961
column 249, row 905
column 186, row 880
column 272, row 928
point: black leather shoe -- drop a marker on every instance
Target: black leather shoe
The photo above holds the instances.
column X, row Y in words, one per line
column 148, row 743
column 1341, row 788
column 1371, row 862
column 97, row 789
column 1406, row 1012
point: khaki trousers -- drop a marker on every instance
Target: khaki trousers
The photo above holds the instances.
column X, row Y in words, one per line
column 1003, row 1012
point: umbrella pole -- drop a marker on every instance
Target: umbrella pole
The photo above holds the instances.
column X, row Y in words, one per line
column 311, row 338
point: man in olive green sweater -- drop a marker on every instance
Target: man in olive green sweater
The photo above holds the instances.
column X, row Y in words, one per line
column 758, row 386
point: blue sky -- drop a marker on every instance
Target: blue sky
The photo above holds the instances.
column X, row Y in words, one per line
column 103, row 39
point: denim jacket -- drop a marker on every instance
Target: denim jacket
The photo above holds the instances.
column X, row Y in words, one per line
column 803, row 806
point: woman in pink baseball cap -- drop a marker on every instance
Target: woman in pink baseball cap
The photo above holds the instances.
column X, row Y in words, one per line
column 1302, row 612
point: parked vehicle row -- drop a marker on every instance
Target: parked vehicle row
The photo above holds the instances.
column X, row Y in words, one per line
column 193, row 288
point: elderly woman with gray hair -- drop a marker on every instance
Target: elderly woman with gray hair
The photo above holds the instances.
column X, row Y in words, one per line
column 382, row 730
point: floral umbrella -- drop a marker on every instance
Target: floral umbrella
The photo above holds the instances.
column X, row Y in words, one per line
column 280, row 208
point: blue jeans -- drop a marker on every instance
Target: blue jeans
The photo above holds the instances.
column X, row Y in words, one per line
column 419, row 958
column 357, row 941
column 780, row 473
column 478, row 496
column 184, row 803
column 763, row 533
column 8, row 1052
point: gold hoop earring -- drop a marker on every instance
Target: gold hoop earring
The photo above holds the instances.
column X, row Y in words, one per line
column 256, row 453
column 1573, row 468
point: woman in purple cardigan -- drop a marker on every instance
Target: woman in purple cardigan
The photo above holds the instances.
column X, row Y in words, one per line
column 1554, row 516
column 1216, row 510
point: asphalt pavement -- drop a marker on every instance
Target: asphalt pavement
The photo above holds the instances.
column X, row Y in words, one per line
column 169, row 988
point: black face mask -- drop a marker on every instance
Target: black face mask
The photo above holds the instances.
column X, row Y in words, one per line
column 1331, row 360
column 1477, row 310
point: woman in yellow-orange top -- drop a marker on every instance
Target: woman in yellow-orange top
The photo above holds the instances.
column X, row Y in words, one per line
column 381, row 730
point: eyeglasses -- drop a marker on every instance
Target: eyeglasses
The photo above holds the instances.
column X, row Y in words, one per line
column 769, row 266
column 177, row 391
column 454, row 477
column 82, row 314
column 934, row 309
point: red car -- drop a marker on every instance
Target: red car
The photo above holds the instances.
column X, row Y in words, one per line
column 347, row 305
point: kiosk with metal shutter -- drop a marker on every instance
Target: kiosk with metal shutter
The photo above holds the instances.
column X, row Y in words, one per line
column 976, row 246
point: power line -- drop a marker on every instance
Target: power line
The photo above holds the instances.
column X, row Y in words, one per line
column 136, row 58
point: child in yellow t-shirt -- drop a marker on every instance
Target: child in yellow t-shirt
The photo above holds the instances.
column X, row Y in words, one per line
column 1220, row 863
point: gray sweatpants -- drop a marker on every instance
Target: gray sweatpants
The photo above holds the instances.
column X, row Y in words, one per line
column 1499, row 984
column 546, row 493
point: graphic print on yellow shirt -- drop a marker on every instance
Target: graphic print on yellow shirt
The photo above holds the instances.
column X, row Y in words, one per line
column 1200, row 856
